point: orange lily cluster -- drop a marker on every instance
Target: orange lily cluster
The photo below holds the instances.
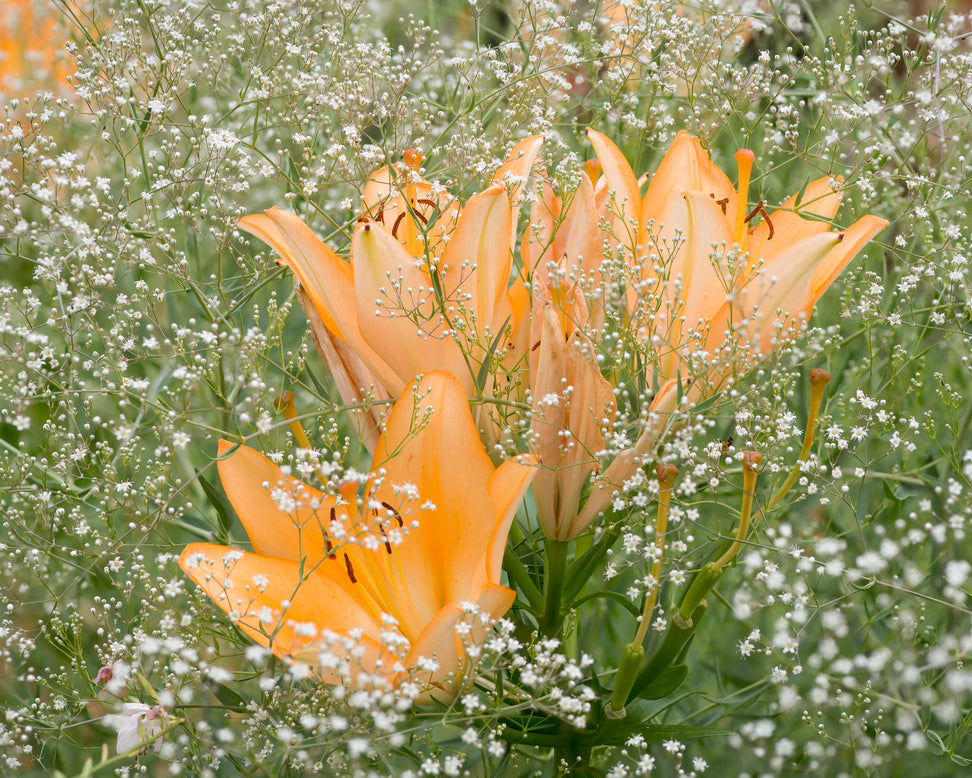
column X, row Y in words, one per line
column 430, row 290
column 32, row 52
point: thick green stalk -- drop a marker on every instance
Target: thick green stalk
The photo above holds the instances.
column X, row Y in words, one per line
column 553, row 585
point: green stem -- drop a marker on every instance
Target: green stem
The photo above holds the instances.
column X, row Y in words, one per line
column 519, row 575
column 553, row 584
column 583, row 566
column 675, row 639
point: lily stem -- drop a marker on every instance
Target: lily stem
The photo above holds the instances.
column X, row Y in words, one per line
column 553, row 584
column 519, row 575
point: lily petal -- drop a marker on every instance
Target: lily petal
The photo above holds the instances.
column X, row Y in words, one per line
column 687, row 165
column 507, row 487
column 856, row 237
column 475, row 266
column 252, row 482
column 325, row 278
column 254, row 588
column 622, row 181
column 450, row 542
column 388, row 284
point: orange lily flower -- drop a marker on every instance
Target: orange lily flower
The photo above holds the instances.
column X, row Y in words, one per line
column 570, row 400
column 365, row 587
column 32, row 52
column 427, row 284
column 710, row 285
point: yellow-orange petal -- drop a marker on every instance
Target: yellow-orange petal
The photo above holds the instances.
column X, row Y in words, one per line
column 519, row 162
column 388, row 286
column 622, row 181
column 687, row 165
column 449, row 545
column 507, row 486
column 817, row 208
column 275, row 604
column 441, row 641
column 475, row 265
column 257, row 490
column 325, row 278
column 856, row 237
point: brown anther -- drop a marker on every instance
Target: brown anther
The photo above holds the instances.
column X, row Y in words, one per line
column 757, row 209
column 760, row 209
column 398, row 221
column 769, row 225
column 387, row 546
column 327, row 541
column 666, row 473
column 394, row 513
column 420, row 216
column 751, row 460
column 347, row 563
column 535, row 346
column 363, row 220
column 819, row 376
column 380, row 217
column 428, row 202
column 413, row 158
column 723, row 203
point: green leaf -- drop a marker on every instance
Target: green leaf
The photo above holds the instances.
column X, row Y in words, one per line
column 220, row 503
column 665, row 683
column 619, row 731
column 228, row 697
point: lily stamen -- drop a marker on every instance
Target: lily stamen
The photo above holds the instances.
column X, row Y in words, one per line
column 750, row 462
column 745, row 159
column 350, row 567
column 285, row 404
column 396, row 514
column 760, row 209
column 818, row 383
